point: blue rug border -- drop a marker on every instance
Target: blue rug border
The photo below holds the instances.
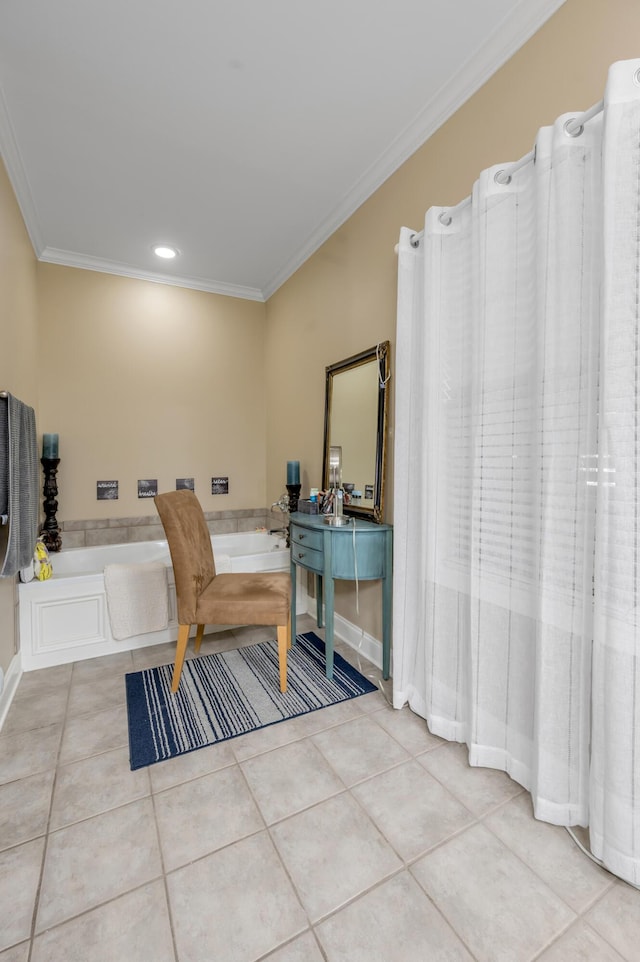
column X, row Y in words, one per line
column 139, row 718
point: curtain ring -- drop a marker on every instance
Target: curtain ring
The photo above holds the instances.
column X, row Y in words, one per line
column 502, row 177
column 445, row 219
column 572, row 128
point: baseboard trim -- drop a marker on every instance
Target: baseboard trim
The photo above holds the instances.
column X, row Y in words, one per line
column 359, row 640
column 351, row 634
column 11, row 679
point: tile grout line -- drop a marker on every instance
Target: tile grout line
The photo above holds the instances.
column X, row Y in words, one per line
column 165, row 883
column 45, row 848
column 345, row 791
column 578, row 914
column 406, row 867
column 49, row 831
column 267, row 829
column 407, row 864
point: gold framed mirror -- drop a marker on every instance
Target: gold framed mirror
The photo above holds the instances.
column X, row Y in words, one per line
column 355, row 421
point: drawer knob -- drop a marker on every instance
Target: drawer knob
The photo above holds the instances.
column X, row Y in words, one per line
column 302, row 537
column 301, row 554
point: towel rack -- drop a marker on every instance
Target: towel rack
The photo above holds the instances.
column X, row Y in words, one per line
column 4, row 518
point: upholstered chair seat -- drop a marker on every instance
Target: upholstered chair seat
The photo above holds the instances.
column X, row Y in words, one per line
column 206, row 598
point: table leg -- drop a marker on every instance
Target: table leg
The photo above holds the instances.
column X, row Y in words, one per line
column 386, row 626
column 328, row 630
column 319, row 593
column 387, row 600
column 294, row 579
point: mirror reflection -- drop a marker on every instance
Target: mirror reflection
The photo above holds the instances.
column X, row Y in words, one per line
column 355, row 430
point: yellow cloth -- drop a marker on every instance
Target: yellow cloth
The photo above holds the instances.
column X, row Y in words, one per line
column 42, row 567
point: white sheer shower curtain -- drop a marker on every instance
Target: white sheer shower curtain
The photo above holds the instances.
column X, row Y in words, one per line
column 517, row 457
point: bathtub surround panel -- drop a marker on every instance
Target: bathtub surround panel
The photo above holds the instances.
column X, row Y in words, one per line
column 100, row 531
column 66, row 618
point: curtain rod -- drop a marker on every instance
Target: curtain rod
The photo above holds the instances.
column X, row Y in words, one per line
column 572, row 128
column 575, row 126
column 445, row 219
column 504, row 176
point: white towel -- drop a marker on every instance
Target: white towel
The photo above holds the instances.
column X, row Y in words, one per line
column 223, row 564
column 137, row 598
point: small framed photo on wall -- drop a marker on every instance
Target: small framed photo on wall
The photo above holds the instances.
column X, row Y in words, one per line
column 148, row 488
column 107, row 490
column 219, row 485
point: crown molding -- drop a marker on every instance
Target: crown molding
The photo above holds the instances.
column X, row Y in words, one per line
column 52, row 255
column 10, row 154
column 515, row 30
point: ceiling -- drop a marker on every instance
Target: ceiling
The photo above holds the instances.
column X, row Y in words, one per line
column 242, row 132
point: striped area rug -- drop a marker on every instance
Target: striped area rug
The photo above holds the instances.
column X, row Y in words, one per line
column 228, row 694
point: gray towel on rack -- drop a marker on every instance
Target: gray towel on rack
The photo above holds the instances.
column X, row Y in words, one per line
column 19, row 483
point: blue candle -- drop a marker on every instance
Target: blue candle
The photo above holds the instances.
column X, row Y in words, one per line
column 50, row 446
column 293, row 472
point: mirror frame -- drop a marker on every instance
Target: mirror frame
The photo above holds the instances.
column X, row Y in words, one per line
column 381, row 353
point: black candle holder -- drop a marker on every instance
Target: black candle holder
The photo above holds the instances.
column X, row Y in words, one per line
column 50, row 532
column 294, row 496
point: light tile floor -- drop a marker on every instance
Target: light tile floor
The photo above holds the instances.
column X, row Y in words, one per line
column 348, row 835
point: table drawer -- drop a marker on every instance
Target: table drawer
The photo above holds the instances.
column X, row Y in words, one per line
column 307, row 537
column 307, row 557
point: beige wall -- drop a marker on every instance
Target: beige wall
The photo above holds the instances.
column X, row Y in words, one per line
column 144, row 380
column 18, row 351
column 343, row 299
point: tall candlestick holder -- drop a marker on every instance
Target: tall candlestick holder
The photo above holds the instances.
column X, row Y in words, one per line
column 293, row 491
column 50, row 532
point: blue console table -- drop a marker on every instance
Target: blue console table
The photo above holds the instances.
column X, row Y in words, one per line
column 328, row 552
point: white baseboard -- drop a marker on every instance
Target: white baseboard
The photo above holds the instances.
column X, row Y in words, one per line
column 359, row 640
column 351, row 634
column 11, row 679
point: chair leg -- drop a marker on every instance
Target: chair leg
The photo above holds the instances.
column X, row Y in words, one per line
column 199, row 634
column 283, row 635
column 181, row 650
column 289, row 631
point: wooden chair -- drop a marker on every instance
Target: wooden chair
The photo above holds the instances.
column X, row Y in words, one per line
column 206, row 598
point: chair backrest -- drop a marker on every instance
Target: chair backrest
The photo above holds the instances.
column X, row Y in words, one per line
column 190, row 546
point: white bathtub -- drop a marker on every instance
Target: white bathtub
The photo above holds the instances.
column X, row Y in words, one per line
column 65, row 618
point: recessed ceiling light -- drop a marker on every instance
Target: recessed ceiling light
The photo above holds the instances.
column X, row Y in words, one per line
column 161, row 250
